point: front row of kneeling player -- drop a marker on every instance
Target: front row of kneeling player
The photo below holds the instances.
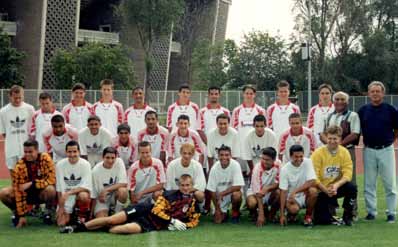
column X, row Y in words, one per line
column 301, row 183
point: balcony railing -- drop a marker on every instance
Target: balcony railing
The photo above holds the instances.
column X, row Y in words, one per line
column 98, row 36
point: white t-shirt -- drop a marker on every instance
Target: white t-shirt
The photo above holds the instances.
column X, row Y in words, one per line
column 262, row 177
column 292, row 177
column 111, row 115
column 215, row 140
column 305, row 139
column 175, row 110
column 56, row 144
column 353, row 119
column 242, row 120
column 41, row 122
column 254, row 144
column 175, row 170
column 93, row 145
column 176, row 140
column 135, row 118
column 104, row 177
column 77, row 115
column 158, row 140
column 221, row 179
column 71, row 176
column 318, row 116
column 15, row 123
column 127, row 153
column 278, row 117
column 208, row 116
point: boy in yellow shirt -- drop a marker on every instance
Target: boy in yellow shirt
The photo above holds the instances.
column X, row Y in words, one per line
column 333, row 167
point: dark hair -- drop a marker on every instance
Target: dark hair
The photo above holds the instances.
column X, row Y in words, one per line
column 72, row 143
column 270, row 152
column 108, row 82
column 282, row 83
column 93, row 118
column 150, row 113
column 78, row 86
column 31, row 143
column 224, row 148
column 144, row 144
column 249, row 86
column 57, row 119
column 45, row 95
column 109, row 150
column 222, row 116
column 214, row 88
column 183, row 117
column 294, row 115
column 184, row 86
column 137, row 88
column 295, row 148
column 260, row 118
column 122, row 127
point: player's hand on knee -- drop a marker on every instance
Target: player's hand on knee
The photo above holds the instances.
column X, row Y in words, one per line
column 179, row 225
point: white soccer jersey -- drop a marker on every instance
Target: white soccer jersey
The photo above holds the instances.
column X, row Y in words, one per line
column 318, row 116
column 41, row 121
column 242, row 120
column 135, row 118
column 175, row 170
column 56, row 144
column 71, row 176
column 262, row 177
column 15, row 123
column 208, row 116
column 141, row 178
column 176, row 140
column 158, row 140
column 175, row 110
column 77, row 115
column 254, row 144
column 221, row 179
column 93, row 145
column 292, row 177
column 128, row 153
column 105, row 177
column 111, row 115
column 278, row 117
column 215, row 140
column 306, row 139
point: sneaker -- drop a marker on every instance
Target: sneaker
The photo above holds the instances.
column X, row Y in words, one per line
column 66, row 229
column 308, row 221
column 47, row 219
column 336, row 221
column 391, row 218
column 370, row 217
column 14, row 220
column 347, row 221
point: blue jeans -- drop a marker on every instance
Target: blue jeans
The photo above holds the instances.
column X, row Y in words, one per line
column 380, row 162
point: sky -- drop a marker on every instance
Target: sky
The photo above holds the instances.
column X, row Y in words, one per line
column 266, row 15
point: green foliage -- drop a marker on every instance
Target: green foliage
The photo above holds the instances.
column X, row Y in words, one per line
column 91, row 63
column 10, row 62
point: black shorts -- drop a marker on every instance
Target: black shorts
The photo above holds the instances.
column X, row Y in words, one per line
column 33, row 196
column 139, row 214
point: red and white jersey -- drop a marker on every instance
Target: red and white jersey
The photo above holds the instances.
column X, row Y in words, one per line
column 175, row 110
column 318, row 116
column 278, row 117
column 262, row 177
column 208, row 116
column 242, row 120
column 176, row 140
column 77, row 115
column 141, row 178
column 56, row 144
column 306, row 139
column 111, row 115
column 135, row 118
column 128, row 153
column 158, row 140
column 41, row 121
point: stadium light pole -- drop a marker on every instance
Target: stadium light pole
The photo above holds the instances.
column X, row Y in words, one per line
column 309, row 46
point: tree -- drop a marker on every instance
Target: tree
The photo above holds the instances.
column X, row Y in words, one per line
column 153, row 20
column 92, row 63
column 10, row 63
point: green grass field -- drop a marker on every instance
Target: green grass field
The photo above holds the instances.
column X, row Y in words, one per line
column 376, row 233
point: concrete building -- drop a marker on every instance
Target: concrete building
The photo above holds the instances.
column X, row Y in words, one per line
column 40, row 27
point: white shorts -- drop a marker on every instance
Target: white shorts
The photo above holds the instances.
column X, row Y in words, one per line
column 300, row 199
column 11, row 162
column 100, row 206
column 70, row 204
column 265, row 198
column 225, row 203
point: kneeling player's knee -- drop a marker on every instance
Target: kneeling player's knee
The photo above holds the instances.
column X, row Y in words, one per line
column 50, row 192
column 199, row 196
column 293, row 208
column 251, row 202
column 236, row 196
column 122, row 194
column 6, row 193
column 312, row 192
column 84, row 197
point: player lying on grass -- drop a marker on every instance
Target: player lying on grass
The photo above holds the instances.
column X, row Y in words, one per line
column 297, row 181
column 174, row 210
column 33, row 183
column 264, row 191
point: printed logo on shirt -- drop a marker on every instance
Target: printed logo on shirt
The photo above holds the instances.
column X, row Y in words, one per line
column 332, row 171
column 95, row 148
column 112, row 181
column 72, row 180
column 257, row 151
column 17, row 124
column 228, row 183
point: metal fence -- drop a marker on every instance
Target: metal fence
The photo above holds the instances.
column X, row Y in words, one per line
column 160, row 100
